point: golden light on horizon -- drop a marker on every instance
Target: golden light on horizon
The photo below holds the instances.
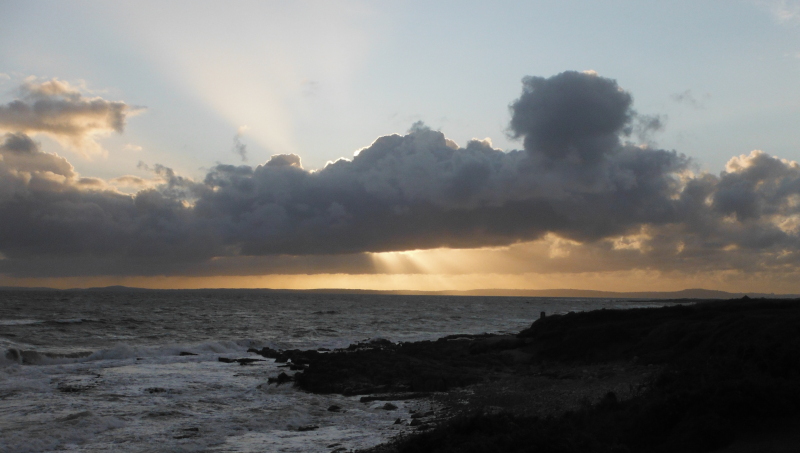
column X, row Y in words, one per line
column 638, row 280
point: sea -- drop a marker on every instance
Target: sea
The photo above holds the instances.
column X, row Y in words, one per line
column 139, row 371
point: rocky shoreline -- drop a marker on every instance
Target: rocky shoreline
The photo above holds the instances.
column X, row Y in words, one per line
column 705, row 377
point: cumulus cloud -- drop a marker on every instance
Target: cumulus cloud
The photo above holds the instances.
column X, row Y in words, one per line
column 58, row 109
column 48, row 210
column 578, row 184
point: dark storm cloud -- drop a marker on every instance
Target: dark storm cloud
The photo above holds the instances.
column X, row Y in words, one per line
column 49, row 211
column 415, row 191
column 55, row 107
column 572, row 115
column 578, row 178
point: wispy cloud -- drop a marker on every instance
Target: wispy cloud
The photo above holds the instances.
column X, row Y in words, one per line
column 688, row 98
column 238, row 146
column 783, row 11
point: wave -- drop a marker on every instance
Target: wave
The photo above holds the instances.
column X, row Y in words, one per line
column 28, row 357
column 20, row 322
column 71, row 321
column 125, row 351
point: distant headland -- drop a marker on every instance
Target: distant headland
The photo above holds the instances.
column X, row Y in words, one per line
column 685, row 294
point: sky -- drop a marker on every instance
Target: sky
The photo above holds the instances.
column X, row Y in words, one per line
column 614, row 145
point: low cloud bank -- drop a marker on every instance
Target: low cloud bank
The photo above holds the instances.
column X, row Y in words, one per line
column 579, row 178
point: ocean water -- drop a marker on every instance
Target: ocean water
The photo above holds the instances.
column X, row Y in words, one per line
column 102, row 371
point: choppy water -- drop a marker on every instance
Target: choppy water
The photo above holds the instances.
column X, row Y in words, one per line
column 102, row 371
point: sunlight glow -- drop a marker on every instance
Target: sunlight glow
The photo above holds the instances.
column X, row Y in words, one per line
column 638, row 280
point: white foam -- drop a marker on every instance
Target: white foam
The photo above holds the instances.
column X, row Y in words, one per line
column 176, row 403
column 15, row 353
column 19, row 322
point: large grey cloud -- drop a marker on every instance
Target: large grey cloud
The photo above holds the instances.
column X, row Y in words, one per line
column 57, row 108
column 577, row 178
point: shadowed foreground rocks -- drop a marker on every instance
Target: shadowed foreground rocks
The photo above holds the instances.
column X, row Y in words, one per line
column 725, row 376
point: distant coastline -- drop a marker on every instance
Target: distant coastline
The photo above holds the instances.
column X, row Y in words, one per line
column 686, row 294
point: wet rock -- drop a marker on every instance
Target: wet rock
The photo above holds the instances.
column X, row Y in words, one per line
column 246, row 361
column 280, row 379
column 243, row 361
column 266, row 352
column 393, row 397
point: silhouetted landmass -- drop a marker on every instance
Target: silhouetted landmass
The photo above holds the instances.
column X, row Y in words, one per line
column 685, row 294
column 725, row 376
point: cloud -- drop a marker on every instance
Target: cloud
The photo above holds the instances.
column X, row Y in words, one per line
column 58, row 109
column 239, row 147
column 579, row 197
column 48, row 211
column 574, row 115
column 783, row 11
column 688, row 98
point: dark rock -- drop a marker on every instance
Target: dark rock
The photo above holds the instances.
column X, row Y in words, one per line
column 280, row 379
column 282, row 358
column 295, row 367
column 266, row 352
column 415, row 422
column 389, row 407
column 399, row 421
column 247, row 361
column 243, row 361
column 393, row 397
column 307, row 428
column 184, row 353
column 334, row 408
